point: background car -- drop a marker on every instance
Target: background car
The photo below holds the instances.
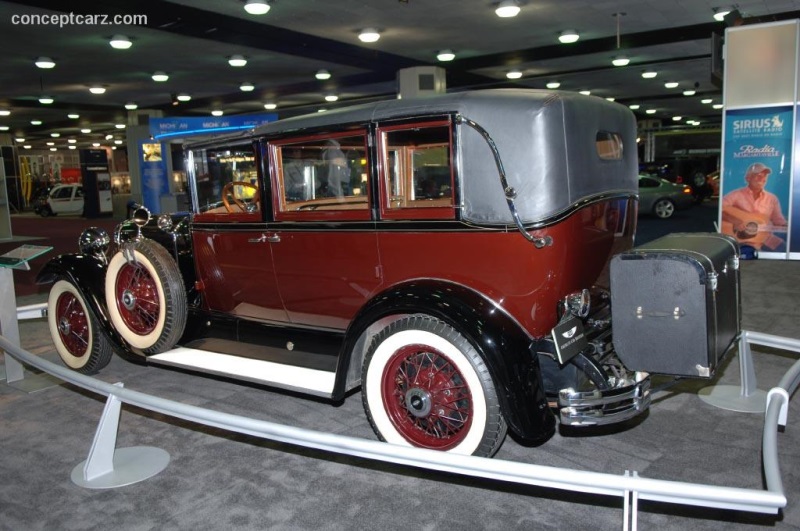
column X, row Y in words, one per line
column 62, row 199
column 661, row 197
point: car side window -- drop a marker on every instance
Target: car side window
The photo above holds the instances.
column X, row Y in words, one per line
column 417, row 171
column 321, row 177
column 79, row 192
column 63, row 193
column 226, row 182
column 647, row 182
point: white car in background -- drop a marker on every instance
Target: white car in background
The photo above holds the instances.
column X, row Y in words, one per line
column 63, row 199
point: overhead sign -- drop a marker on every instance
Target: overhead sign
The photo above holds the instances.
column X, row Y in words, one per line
column 161, row 128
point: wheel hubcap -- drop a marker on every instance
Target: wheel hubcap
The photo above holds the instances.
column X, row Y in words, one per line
column 426, row 398
column 137, row 299
column 73, row 325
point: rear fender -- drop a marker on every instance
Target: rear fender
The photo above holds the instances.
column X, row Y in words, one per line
column 498, row 338
column 88, row 273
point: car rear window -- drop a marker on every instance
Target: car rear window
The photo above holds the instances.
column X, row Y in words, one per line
column 609, row 145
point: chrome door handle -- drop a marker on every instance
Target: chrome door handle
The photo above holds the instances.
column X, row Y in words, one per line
column 273, row 238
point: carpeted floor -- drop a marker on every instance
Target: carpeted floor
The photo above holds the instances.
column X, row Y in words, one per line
column 217, row 480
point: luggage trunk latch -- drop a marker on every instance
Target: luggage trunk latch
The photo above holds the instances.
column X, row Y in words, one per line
column 712, row 281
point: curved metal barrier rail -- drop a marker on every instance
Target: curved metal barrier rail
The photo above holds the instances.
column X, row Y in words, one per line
column 629, row 486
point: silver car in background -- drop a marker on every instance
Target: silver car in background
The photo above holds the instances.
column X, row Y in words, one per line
column 662, row 198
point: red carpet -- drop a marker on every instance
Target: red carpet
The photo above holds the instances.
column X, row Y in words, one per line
column 59, row 232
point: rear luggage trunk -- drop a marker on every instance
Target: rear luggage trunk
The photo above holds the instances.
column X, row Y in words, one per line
column 675, row 304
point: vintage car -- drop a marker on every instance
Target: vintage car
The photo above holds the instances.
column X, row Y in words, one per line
column 448, row 255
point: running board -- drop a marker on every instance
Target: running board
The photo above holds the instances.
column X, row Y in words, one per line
column 310, row 381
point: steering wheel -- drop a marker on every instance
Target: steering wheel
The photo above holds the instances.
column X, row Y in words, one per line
column 228, row 189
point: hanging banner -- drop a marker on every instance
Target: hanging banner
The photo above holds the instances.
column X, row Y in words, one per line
column 155, row 179
column 176, row 126
column 757, row 178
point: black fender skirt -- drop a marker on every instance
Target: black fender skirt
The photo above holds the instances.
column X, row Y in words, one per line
column 88, row 274
column 499, row 339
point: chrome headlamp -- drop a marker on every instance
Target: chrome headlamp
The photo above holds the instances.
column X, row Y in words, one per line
column 94, row 241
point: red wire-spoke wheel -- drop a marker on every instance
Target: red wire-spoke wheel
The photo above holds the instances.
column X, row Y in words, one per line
column 425, row 385
column 76, row 336
column 426, row 397
column 137, row 298
column 73, row 327
column 146, row 297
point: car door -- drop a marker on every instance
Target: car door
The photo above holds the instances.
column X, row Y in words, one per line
column 324, row 245
column 60, row 199
column 233, row 259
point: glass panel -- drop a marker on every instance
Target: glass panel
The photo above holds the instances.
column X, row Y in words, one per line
column 609, row 145
column 216, row 168
column 323, row 174
column 418, row 171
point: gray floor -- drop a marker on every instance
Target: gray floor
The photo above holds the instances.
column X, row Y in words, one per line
column 218, row 480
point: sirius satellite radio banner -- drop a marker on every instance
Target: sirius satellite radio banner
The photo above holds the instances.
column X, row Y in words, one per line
column 757, row 178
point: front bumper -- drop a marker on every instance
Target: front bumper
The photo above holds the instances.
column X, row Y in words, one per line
column 595, row 408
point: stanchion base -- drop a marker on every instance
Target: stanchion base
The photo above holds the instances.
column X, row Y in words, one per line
column 131, row 465
column 32, row 383
column 730, row 397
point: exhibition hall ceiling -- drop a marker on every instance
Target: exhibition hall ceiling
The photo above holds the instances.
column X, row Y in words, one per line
column 192, row 41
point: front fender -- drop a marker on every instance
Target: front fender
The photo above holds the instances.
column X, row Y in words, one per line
column 88, row 273
column 499, row 339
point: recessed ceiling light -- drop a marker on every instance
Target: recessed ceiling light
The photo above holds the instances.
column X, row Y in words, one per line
column 20, row 140
column 611, row 99
column 257, row 7
column 445, row 55
column 217, row 112
column 73, row 116
column 634, row 106
column 671, row 84
column 26, row 146
column 86, row 131
column 369, row 35
column 321, row 110
column 120, row 42
column 586, row 92
column 109, row 136
column 119, row 126
column 689, row 92
column 270, row 106
column 71, row 147
column 45, row 62
column 247, row 87
column 706, row 101
column 183, row 97
column 322, row 75
column 507, row 9
column 620, row 60
column 55, row 135
column 237, row 60
column 718, row 106
column 131, row 106
column 553, row 85
column 4, row 128
column 677, row 118
column 160, row 76
column 650, row 111
column 569, row 36
column 53, row 149
column 649, row 74
column 36, row 122
column 4, row 112
column 96, row 144
column 45, row 100
column 50, row 143
column 514, row 74
column 118, row 142
column 97, row 90
column 71, row 140
column 720, row 12
column 331, row 97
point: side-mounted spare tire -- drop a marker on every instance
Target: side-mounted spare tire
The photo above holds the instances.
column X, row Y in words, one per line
column 146, row 297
